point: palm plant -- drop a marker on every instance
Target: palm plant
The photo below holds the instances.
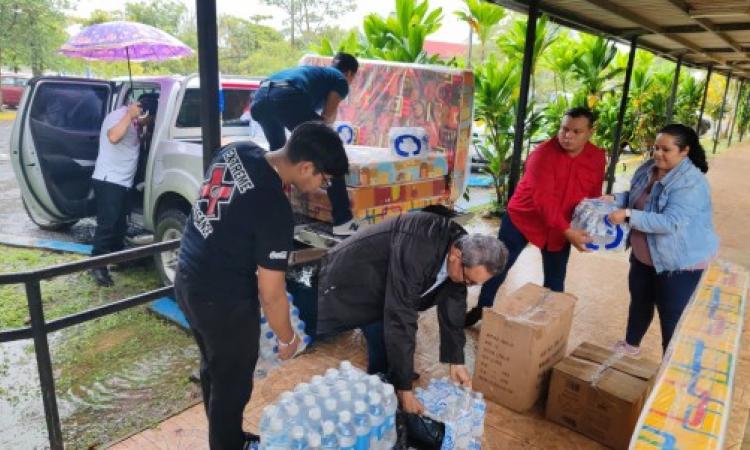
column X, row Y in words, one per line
column 483, row 18
column 593, row 67
column 350, row 44
column 401, row 36
column 743, row 114
column 559, row 59
column 688, row 99
column 512, row 43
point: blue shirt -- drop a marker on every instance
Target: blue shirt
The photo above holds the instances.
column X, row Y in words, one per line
column 315, row 81
column 677, row 219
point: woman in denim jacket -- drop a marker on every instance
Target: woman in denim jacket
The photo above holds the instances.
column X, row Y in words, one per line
column 672, row 233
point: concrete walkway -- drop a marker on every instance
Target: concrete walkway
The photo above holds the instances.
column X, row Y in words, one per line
column 600, row 283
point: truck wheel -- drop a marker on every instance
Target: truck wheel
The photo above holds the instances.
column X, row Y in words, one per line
column 169, row 226
column 47, row 226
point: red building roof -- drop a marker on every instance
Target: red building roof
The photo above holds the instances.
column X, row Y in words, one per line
column 445, row 49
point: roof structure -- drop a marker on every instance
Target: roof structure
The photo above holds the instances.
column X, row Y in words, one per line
column 703, row 32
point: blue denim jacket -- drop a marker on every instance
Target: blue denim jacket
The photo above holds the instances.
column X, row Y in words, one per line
column 676, row 219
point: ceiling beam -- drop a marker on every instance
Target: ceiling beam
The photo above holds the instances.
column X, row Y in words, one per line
column 654, row 28
column 690, row 29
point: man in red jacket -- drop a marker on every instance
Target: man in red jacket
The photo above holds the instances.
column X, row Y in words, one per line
column 559, row 174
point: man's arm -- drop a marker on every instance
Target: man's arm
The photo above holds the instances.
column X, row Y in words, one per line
column 117, row 132
column 272, row 291
column 331, row 107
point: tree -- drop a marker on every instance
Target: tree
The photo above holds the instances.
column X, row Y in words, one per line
column 101, row 16
column 689, row 94
column 512, row 43
column 239, row 40
column 308, row 17
column 559, row 59
column 31, row 31
column 166, row 15
column 593, row 67
column 483, row 18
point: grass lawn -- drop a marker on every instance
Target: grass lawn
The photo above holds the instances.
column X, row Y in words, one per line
column 115, row 375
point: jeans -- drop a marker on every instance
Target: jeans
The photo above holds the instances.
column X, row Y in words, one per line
column 227, row 333
column 112, row 204
column 277, row 108
column 668, row 292
column 555, row 264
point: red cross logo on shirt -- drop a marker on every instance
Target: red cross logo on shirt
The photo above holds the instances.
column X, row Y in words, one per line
column 216, row 191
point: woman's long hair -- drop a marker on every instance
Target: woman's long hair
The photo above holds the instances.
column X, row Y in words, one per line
column 686, row 137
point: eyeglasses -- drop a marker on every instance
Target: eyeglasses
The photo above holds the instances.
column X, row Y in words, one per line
column 325, row 181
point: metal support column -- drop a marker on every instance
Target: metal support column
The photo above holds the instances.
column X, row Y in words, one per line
column 673, row 95
column 44, row 363
column 736, row 109
column 615, row 153
column 208, row 66
column 717, row 134
column 703, row 102
column 528, row 54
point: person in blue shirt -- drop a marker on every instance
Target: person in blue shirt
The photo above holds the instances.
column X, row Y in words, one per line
column 308, row 93
column 672, row 234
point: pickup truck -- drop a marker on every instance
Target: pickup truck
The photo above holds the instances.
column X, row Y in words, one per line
column 55, row 141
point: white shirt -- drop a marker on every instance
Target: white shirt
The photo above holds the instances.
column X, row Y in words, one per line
column 117, row 163
column 442, row 275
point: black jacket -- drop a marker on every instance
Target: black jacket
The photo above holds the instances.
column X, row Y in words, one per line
column 380, row 274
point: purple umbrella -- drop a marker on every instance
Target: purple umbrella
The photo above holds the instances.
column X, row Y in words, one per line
column 121, row 40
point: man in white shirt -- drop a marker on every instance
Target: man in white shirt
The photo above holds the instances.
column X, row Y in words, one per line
column 115, row 169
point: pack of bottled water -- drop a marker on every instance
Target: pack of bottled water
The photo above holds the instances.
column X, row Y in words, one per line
column 343, row 409
column 591, row 216
column 268, row 347
column 460, row 409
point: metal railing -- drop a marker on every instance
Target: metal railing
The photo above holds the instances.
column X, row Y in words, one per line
column 39, row 328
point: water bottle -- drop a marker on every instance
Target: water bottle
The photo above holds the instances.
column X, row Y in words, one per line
column 329, row 441
column 300, row 391
column 292, row 413
column 361, row 421
column 314, row 441
column 345, row 400
column 269, row 412
column 377, row 420
column 346, row 435
column 314, row 417
column 315, row 384
column 308, row 402
column 360, row 392
column 390, row 405
column 479, row 409
column 276, row 437
column 297, row 438
column 331, row 377
column 324, row 392
column 330, row 409
column 374, row 383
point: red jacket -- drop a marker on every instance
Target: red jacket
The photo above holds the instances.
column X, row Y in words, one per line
column 553, row 184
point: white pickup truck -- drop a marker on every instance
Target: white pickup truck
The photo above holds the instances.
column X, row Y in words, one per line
column 55, row 141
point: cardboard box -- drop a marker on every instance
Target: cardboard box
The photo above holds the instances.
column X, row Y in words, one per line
column 522, row 337
column 600, row 394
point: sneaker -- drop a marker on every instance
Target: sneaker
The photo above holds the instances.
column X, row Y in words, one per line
column 346, row 229
column 473, row 316
column 101, row 277
column 626, row 349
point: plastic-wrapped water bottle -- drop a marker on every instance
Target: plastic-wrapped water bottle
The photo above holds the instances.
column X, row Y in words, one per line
column 360, row 392
column 329, row 441
column 292, row 413
column 276, row 437
column 323, row 393
column 345, row 399
column 286, row 398
column 309, row 402
column 390, row 405
column 331, row 377
column 330, row 409
column 297, row 439
column 346, row 435
column 314, row 417
column 361, row 421
column 315, row 383
column 300, row 391
column 314, row 441
column 377, row 420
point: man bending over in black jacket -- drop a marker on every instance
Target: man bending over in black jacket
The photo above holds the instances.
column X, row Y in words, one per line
column 382, row 277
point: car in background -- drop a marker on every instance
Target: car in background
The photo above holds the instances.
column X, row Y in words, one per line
column 12, row 86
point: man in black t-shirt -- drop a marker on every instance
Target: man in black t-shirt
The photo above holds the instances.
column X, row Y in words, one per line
column 234, row 254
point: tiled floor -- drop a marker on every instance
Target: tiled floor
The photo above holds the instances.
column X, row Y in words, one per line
column 599, row 282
